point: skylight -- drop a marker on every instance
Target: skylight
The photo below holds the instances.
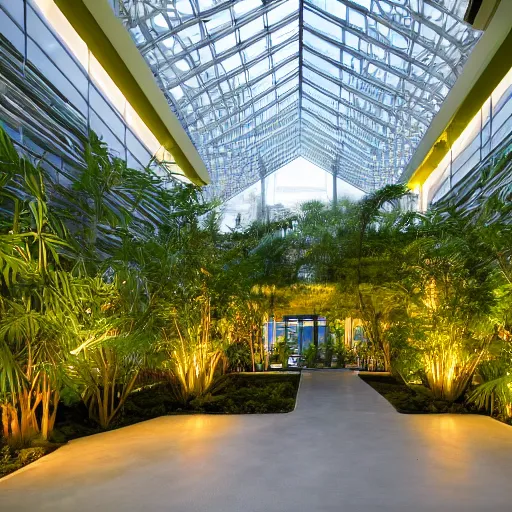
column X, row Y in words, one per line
column 351, row 85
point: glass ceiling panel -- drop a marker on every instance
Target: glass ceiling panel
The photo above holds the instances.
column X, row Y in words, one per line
column 351, row 85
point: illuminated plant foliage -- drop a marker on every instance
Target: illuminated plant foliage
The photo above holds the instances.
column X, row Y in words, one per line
column 194, row 354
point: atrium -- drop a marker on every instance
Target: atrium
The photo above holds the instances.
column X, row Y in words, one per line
column 350, row 86
column 254, row 254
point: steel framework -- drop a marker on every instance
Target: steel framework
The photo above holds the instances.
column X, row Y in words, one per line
column 350, row 85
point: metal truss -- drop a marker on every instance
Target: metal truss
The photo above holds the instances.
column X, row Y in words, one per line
column 351, row 85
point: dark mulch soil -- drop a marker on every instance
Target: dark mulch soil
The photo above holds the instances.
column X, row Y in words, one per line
column 415, row 400
column 12, row 459
column 232, row 394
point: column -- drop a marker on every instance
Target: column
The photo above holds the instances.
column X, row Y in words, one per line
column 348, row 332
column 263, row 198
column 334, row 189
column 263, row 204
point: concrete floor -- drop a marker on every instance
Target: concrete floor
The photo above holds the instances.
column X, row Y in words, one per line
column 343, row 448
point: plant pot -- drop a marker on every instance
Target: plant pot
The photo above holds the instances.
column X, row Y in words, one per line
column 259, row 367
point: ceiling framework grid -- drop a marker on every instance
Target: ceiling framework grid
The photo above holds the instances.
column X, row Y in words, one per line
column 350, row 85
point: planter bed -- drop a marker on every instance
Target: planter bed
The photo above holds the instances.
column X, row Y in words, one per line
column 411, row 400
column 243, row 393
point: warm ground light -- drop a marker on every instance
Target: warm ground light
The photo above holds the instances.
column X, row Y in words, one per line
column 343, row 440
column 255, row 255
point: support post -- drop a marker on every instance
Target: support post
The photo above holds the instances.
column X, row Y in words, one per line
column 263, row 175
column 334, row 189
column 263, row 198
column 300, row 332
column 348, row 332
column 335, row 171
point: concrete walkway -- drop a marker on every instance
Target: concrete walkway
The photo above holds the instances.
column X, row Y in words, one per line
column 344, row 448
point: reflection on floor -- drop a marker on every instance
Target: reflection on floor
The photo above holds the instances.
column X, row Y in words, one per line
column 343, row 447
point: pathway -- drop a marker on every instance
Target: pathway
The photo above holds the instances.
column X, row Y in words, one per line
column 344, row 448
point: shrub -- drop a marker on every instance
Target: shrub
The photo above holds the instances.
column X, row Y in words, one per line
column 239, row 357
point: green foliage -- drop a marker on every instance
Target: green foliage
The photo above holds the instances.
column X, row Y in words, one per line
column 326, row 350
column 411, row 400
column 239, row 357
column 11, row 459
column 310, row 355
column 343, row 355
column 193, row 350
column 494, row 394
column 271, row 399
column 252, row 394
column 125, row 276
column 232, row 394
column 88, row 277
column 284, row 350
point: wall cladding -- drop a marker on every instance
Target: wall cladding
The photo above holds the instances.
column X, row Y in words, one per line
column 36, row 115
column 48, row 101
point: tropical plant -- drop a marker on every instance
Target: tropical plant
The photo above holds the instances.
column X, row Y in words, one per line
column 238, row 356
column 310, row 355
column 450, row 293
column 343, row 354
column 371, row 219
column 495, row 393
column 35, row 299
column 194, row 352
column 107, row 375
column 283, row 349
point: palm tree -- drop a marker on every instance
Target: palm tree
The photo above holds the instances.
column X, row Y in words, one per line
column 450, row 285
column 35, row 298
column 370, row 219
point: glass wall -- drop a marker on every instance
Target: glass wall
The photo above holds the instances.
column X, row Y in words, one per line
column 298, row 331
column 487, row 131
column 53, row 91
column 285, row 190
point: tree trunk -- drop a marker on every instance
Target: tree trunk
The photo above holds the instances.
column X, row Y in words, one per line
column 27, row 424
column 10, row 421
column 48, row 399
column 53, row 417
column 251, row 345
column 262, row 348
column 386, row 351
column 5, row 420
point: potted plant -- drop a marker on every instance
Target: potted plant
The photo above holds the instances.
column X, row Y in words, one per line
column 258, row 363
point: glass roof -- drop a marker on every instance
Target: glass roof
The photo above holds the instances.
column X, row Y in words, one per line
column 350, row 85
